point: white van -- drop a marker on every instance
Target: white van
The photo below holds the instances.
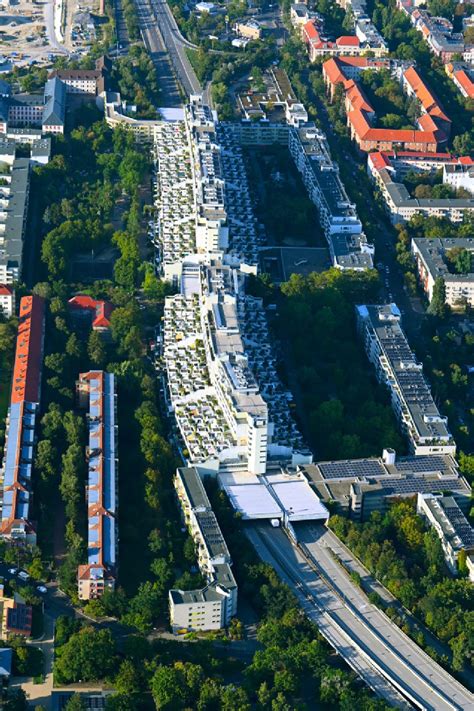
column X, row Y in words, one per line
column 23, row 576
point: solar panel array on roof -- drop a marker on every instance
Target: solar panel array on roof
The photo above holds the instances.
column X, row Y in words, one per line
column 428, row 463
column 350, row 469
column 418, row 485
column 461, row 526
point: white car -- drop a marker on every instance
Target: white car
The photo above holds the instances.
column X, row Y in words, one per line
column 42, row 589
column 13, row 571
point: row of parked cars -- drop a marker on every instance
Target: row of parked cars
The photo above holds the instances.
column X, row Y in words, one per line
column 24, row 576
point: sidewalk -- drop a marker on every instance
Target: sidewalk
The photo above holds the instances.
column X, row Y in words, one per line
column 40, row 694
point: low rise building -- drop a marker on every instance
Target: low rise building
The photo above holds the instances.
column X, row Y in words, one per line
column 212, row 607
column 16, row 472
column 431, row 262
column 358, row 487
column 96, row 392
column 250, row 29
column 454, row 530
column 95, row 312
column 397, row 368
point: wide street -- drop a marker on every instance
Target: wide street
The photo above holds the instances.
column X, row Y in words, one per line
column 375, row 641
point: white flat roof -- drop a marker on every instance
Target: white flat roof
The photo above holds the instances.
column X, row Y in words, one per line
column 253, row 501
column 299, row 501
column 171, row 114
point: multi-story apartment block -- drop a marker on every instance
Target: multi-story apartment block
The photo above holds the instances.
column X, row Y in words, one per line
column 397, row 368
column 358, row 487
column 82, row 81
column 13, row 215
column 212, row 607
column 221, row 380
column 460, row 174
column 347, row 243
column 16, row 471
column 366, row 40
column 431, row 262
column 385, row 168
column 454, row 530
column 46, row 111
column 438, row 32
column 463, row 77
column 96, row 392
column 433, row 126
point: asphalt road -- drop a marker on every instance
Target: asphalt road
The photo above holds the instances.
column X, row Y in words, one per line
column 167, row 48
column 398, row 660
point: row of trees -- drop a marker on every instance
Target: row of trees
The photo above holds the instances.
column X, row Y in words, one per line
column 135, row 77
column 408, row 560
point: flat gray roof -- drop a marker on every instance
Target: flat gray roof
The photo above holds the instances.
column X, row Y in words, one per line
column 12, row 251
column 433, row 253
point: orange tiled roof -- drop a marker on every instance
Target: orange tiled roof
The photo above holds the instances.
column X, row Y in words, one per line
column 463, row 78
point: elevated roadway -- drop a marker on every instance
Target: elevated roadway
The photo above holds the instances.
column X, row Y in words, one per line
column 388, row 661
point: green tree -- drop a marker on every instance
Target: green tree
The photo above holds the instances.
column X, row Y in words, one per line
column 76, row 703
column 438, row 306
column 96, row 349
column 88, row 655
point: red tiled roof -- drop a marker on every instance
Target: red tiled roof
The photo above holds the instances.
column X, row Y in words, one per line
column 101, row 310
column 348, row 41
column 29, row 348
column 379, row 160
column 5, row 290
column 464, row 80
column 310, row 31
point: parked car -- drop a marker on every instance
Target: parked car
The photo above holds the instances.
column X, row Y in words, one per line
column 13, row 571
column 23, row 575
column 42, row 589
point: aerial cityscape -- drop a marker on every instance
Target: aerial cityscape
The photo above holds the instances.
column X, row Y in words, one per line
column 237, row 355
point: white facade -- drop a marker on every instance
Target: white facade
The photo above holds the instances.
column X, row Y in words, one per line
column 397, row 368
column 7, row 300
column 459, row 176
column 212, row 607
column 452, row 527
column 431, row 264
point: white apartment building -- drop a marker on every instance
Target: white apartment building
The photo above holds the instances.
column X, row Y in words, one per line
column 398, row 201
column 7, row 300
column 212, row 607
column 430, row 257
column 347, row 243
column 13, row 214
column 452, row 527
column 459, row 175
column 397, row 368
